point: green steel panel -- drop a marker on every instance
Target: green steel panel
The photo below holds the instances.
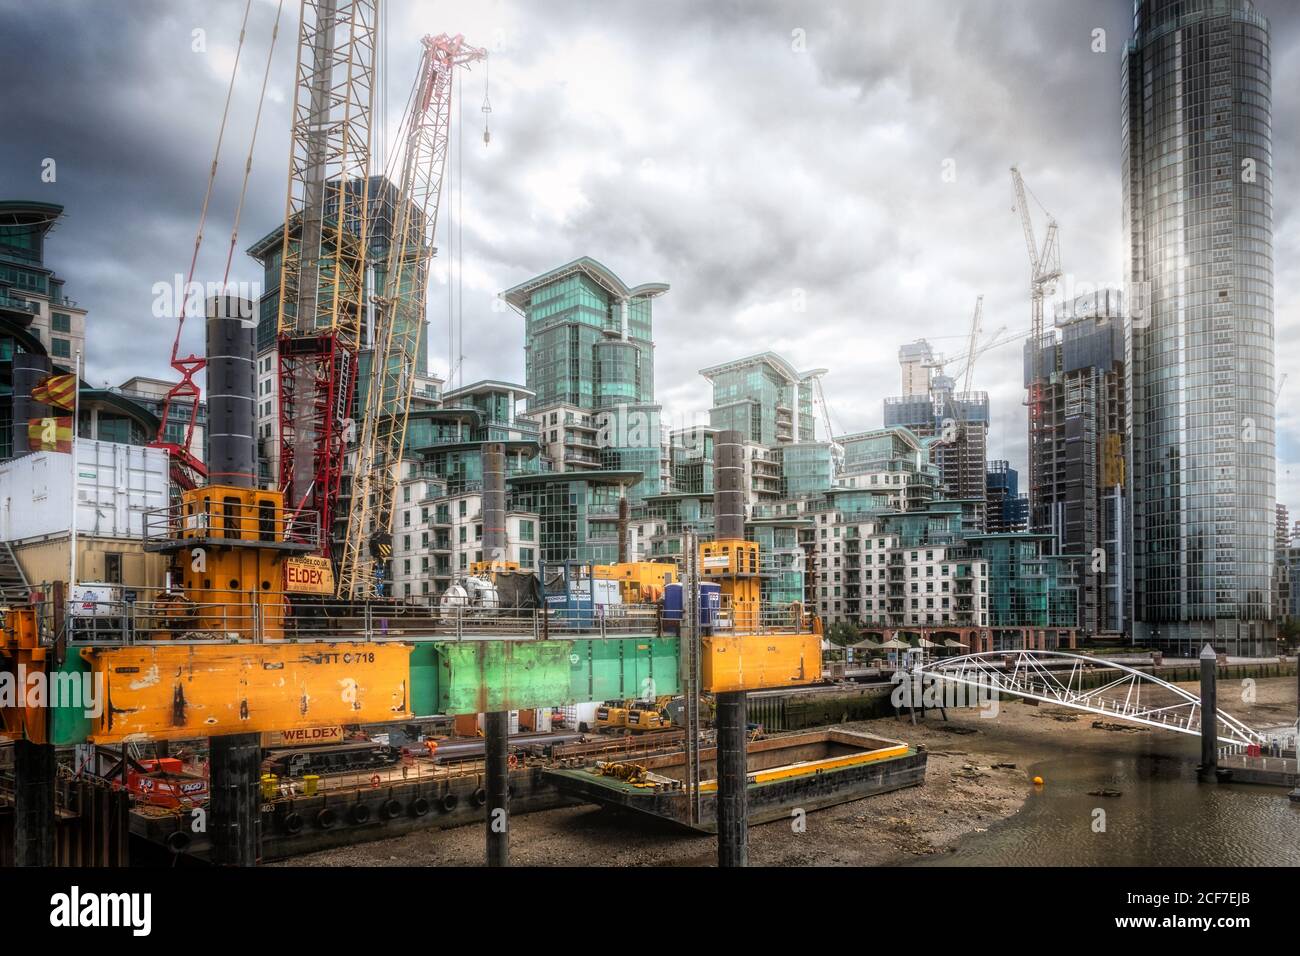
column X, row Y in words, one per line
column 424, row 680
column 618, row 669
column 70, row 725
column 478, row 677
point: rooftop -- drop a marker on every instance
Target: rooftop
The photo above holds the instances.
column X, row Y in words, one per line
column 484, row 386
column 778, row 364
column 518, row 295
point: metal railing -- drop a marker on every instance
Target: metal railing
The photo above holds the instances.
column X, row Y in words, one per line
column 150, row 616
column 20, row 305
column 253, row 523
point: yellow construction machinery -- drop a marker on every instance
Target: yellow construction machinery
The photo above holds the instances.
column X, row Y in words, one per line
column 640, row 582
column 611, row 716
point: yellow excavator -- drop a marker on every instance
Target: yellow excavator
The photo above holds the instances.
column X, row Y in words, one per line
column 646, row 716
column 611, row 716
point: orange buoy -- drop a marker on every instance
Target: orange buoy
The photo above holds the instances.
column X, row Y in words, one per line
column 1038, row 781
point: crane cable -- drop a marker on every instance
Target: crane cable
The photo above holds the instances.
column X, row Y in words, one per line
column 212, row 177
column 460, row 235
column 248, row 163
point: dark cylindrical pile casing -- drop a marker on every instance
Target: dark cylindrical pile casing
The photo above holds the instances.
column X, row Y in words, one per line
column 494, row 502
column 232, row 392
column 496, row 741
column 1209, row 713
column 623, row 519
column 731, row 720
column 729, row 486
column 29, row 369
column 234, row 807
column 35, row 769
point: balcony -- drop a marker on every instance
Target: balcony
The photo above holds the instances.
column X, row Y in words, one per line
column 21, row 308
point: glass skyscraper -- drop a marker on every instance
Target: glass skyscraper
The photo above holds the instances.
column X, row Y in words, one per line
column 1198, row 182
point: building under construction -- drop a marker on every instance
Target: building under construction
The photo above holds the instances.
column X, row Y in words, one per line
column 1080, row 500
column 931, row 407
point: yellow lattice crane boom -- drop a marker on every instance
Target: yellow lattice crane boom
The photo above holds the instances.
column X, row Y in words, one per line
column 399, row 314
column 323, row 261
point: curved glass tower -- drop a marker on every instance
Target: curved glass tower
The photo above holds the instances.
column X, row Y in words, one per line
column 1198, row 182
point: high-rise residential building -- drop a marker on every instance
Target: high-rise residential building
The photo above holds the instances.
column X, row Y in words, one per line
column 764, row 398
column 1081, row 500
column 1198, row 205
column 37, row 321
column 438, row 520
column 1281, row 525
column 589, row 364
column 916, row 362
column 1007, row 508
column 770, row 403
column 30, row 292
column 959, row 424
column 588, row 337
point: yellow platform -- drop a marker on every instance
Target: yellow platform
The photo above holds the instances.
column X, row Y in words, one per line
column 172, row 691
column 759, row 661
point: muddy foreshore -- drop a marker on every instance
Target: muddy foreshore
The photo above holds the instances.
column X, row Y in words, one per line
column 977, row 776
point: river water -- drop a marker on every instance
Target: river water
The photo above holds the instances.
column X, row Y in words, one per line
column 1163, row 816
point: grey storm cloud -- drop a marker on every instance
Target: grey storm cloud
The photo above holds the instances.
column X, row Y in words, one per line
column 754, row 155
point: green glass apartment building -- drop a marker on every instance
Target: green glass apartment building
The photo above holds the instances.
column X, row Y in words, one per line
column 589, row 364
column 588, row 337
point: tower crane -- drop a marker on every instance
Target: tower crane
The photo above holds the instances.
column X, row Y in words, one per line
column 323, row 260
column 837, row 450
column 1044, row 271
column 974, row 349
column 974, row 341
column 398, row 315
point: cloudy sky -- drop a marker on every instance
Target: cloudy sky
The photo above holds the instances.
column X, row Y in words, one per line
column 754, row 154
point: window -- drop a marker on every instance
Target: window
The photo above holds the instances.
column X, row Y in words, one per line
column 61, row 322
column 463, row 512
column 526, row 531
column 60, row 348
column 113, row 567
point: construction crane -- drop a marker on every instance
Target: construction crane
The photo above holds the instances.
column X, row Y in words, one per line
column 837, row 450
column 966, row 366
column 187, row 470
column 323, row 263
column 399, row 314
column 974, row 341
column 1044, row 271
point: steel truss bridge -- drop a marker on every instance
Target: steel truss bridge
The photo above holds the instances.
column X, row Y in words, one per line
column 1090, row 684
